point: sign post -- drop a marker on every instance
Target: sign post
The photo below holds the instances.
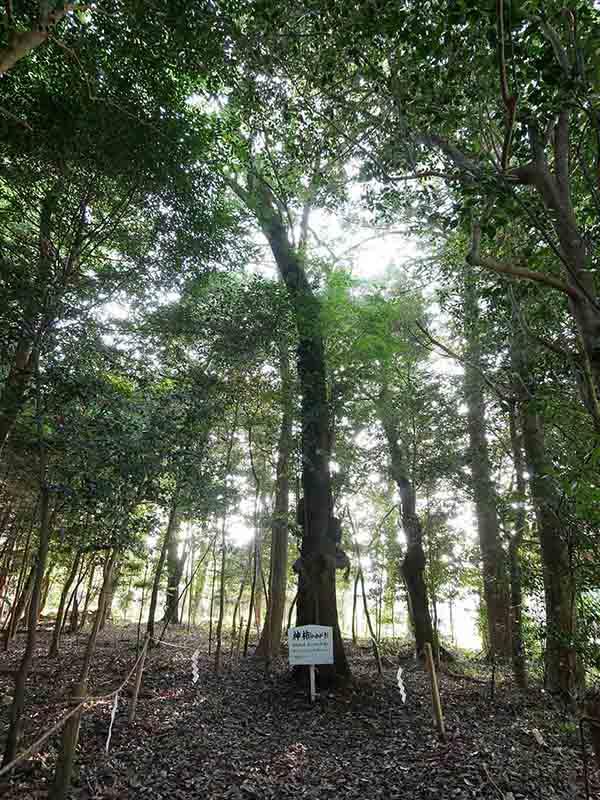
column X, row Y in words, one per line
column 309, row 645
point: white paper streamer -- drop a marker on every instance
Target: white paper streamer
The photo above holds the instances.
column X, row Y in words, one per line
column 401, row 685
column 195, row 667
column 112, row 720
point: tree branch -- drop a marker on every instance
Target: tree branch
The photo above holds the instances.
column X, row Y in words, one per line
column 462, row 360
column 21, row 43
column 552, row 36
column 475, row 259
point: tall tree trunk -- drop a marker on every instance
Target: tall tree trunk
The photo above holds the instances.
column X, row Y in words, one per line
column 495, row 574
column 559, row 584
column 317, row 602
column 218, row 645
column 252, row 597
column 88, row 595
column 108, row 600
column 171, row 525
column 45, row 590
column 200, row 583
column 212, row 596
column 413, row 565
column 21, row 603
column 219, row 631
column 54, row 645
column 354, row 599
column 175, row 566
column 17, row 609
column 519, row 661
column 270, row 640
column 18, row 704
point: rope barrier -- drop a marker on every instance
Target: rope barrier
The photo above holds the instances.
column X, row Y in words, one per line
column 159, row 642
column 57, row 726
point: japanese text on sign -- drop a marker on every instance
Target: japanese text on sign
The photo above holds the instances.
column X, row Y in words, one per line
column 310, row 644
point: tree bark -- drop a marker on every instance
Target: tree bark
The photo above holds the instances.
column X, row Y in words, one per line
column 173, row 521
column 54, row 645
column 413, row 564
column 70, row 734
column 519, row 661
column 175, row 566
column 219, row 631
column 15, row 388
column 270, row 640
column 21, row 603
column 559, row 584
column 317, row 602
column 495, row 574
column 108, row 600
column 18, row 704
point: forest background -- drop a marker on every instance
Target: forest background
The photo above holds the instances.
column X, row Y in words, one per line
column 300, row 306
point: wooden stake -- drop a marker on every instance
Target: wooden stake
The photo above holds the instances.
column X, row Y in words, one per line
column 313, row 688
column 435, row 693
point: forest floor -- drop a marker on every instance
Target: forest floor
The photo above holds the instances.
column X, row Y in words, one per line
column 242, row 734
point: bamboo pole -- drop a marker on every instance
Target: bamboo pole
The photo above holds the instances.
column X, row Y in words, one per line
column 438, row 714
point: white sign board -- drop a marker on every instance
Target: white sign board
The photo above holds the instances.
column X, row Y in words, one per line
column 310, row 644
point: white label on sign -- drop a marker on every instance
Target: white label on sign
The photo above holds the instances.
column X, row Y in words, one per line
column 310, row 644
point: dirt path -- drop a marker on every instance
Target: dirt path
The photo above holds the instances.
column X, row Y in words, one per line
column 244, row 735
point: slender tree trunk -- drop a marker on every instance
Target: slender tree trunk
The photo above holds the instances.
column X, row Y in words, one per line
column 413, row 565
column 212, row 598
column 354, row 599
column 108, row 600
column 560, row 591
column 251, row 606
column 270, row 641
column 54, row 645
column 199, row 591
column 191, row 587
column 221, row 598
column 16, row 611
column 18, row 704
column 372, row 633
column 175, row 567
column 236, row 609
column 70, row 735
column 45, row 590
column 291, row 611
column 173, row 521
column 495, row 574
column 519, row 660
column 22, row 602
column 141, row 611
column 88, row 594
